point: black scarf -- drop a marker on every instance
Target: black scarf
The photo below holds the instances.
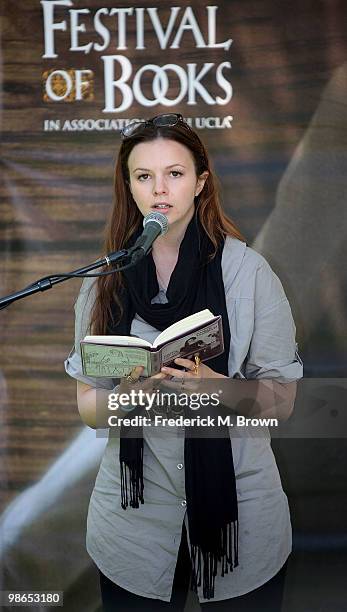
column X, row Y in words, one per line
column 210, row 483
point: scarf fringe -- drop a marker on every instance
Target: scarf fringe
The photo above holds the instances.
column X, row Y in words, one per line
column 228, row 556
column 132, row 486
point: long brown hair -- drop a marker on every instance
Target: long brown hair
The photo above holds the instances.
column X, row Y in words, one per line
column 125, row 216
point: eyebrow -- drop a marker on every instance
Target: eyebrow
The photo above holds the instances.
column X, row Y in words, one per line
column 167, row 168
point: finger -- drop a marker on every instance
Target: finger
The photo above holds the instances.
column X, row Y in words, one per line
column 174, row 372
column 190, row 386
column 156, row 380
column 135, row 375
column 149, row 383
column 169, row 384
column 187, row 363
column 138, row 370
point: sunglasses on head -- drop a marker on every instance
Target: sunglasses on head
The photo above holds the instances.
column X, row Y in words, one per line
column 166, row 120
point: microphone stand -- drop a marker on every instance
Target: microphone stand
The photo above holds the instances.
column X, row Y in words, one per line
column 47, row 282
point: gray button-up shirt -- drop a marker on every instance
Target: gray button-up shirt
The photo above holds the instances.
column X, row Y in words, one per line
column 137, row 548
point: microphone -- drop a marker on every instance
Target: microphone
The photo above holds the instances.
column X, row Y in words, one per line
column 155, row 224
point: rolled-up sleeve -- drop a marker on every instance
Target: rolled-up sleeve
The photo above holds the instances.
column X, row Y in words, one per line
column 73, row 363
column 273, row 352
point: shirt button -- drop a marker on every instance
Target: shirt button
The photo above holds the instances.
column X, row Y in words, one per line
column 183, row 503
column 179, row 466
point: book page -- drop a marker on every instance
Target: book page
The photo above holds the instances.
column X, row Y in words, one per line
column 194, row 320
column 116, row 340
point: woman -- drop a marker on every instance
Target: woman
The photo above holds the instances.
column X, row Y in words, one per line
column 213, row 507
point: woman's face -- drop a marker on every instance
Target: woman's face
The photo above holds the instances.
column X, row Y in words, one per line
column 162, row 172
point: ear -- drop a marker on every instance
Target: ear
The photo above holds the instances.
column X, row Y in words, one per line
column 201, row 182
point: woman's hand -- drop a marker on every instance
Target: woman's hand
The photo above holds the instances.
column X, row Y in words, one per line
column 203, row 370
column 148, row 384
column 191, row 382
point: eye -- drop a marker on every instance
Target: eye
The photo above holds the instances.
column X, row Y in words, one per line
column 142, row 177
column 176, row 173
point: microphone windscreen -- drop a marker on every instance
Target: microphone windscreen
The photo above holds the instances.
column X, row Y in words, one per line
column 159, row 218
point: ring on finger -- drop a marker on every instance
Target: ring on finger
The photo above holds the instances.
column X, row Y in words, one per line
column 130, row 379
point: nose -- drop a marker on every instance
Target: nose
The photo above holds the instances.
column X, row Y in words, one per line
column 159, row 186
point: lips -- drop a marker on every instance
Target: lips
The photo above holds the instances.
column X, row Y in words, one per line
column 161, row 206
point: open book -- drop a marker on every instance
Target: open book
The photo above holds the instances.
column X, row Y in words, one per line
column 115, row 356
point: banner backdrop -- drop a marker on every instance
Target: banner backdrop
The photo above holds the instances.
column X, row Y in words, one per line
column 265, row 84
